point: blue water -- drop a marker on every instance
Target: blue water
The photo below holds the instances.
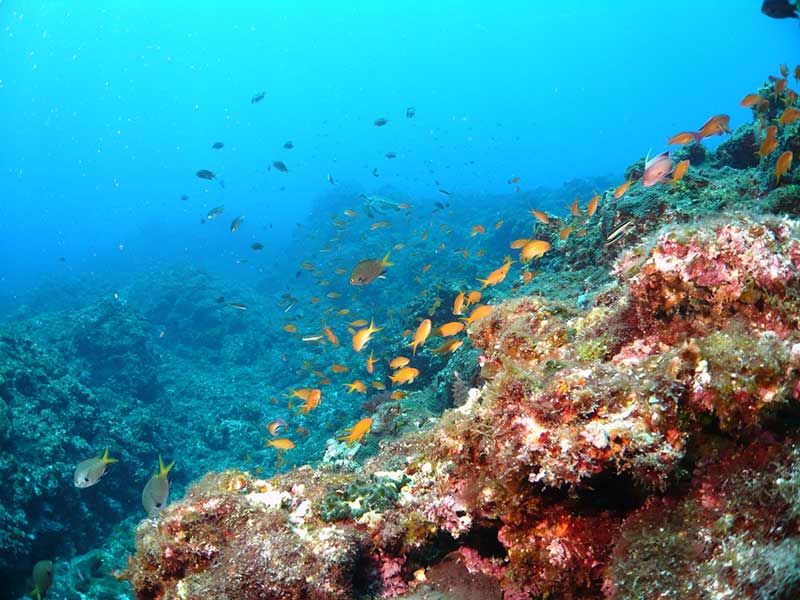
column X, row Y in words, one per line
column 109, row 111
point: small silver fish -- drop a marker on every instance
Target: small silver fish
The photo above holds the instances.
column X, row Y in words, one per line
column 89, row 471
column 156, row 491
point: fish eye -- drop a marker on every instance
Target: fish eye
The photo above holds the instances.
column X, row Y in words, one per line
column 86, row 479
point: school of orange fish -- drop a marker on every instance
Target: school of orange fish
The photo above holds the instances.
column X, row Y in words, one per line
column 657, row 170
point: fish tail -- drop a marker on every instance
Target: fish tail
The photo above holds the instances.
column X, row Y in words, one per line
column 107, row 459
column 485, row 282
column 697, row 137
column 35, row 593
column 385, row 261
column 164, row 470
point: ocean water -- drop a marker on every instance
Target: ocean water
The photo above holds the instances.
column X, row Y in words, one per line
column 151, row 328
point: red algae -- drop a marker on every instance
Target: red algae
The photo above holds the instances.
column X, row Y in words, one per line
column 617, row 452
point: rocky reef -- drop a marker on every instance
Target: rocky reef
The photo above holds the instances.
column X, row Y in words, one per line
column 595, row 456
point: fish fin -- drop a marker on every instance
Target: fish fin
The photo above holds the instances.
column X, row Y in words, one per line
column 164, row 470
column 35, row 593
column 385, row 261
column 107, row 459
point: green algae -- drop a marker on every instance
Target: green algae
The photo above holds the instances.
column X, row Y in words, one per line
column 375, row 493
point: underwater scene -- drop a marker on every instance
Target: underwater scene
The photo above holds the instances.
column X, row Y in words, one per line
column 443, row 300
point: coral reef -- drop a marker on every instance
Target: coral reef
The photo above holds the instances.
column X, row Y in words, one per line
column 549, row 479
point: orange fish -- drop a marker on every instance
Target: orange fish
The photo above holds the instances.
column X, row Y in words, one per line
column 450, row 329
column 496, row 276
column 371, row 364
column 398, row 395
column 540, row 216
column 399, row 362
column 422, row 333
column 767, row 146
column 379, row 225
column 780, row 85
column 337, row 368
column 477, row 229
column 783, row 165
column 479, row 312
column 330, row 335
column 791, row 97
column 527, row 276
column 378, row 385
column 750, row 100
column 358, row 323
column 499, row 224
column 290, row 328
column 404, row 375
column 534, row 249
column 772, row 132
column 619, row 192
column 281, row 444
column 356, row 386
column 332, row 295
column 591, row 208
column 315, row 299
column 357, row 432
column 350, row 212
column 473, row 297
column 519, row 243
column 343, row 311
column 425, row 267
column 789, row 116
column 449, row 347
column 784, row 70
column 564, row 233
column 716, row 125
column 458, row 303
column 311, row 402
column 362, row 336
column 574, row 209
column 684, row 137
column 680, row 171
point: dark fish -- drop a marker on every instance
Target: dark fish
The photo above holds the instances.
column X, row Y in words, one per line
column 381, row 122
column 236, row 223
column 221, row 300
column 779, row 9
column 391, row 155
column 237, row 305
column 375, row 172
column 62, row 259
column 410, row 112
column 205, row 174
column 289, row 145
column 258, row 98
column 280, row 166
column 444, row 192
column 215, row 212
column 257, row 246
column 369, row 270
column 42, row 578
column 217, row 145
column 222, row 183
column 330, row 179
column 184, row 197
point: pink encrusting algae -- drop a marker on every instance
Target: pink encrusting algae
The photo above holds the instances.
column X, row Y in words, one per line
column 547, row 479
